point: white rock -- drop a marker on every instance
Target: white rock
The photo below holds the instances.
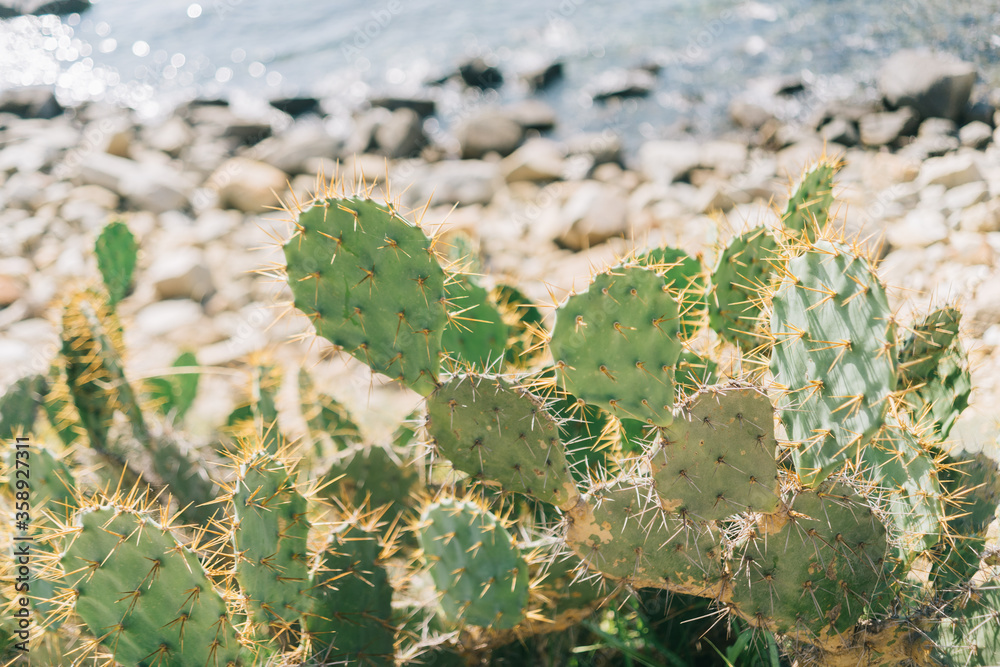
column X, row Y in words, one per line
column 164, row 317
column 976, row 134
column 950, row 170
column 181, row 274
column 248, row 185
column 452, row 181
column 920, row 228
column 593, row 213
column 537, row 160
column 982, row 217
column 964, row 196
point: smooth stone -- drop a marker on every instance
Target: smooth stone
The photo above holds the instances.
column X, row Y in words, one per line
column 181, row 274
column 148, row 186
column 489, row 132
column 983, row 217
column 248, row 185
column 935, row 85
column 622, row 83
column 164, row 317
column 886, row 127
column 453, row 182
column 537, row 159
column 919, row 229
column 950, row 170
column 30, row 101
column 401, row 134
column 592, row 214
column 976, row 134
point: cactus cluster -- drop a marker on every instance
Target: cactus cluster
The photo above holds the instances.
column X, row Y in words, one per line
column 808, row 490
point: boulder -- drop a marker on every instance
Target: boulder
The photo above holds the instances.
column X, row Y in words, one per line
column 401, row 134
column 920, row 228
column 622, row 83
column 248, row 185
column 594, row 213
column 976, row 134
column 476, row 73
column 532, row 114
column 424, row 106
column 30, row 102
column 542, row 74
column 147, row 186
column 935, row 85
column 489, row 132
column 181, row 274
column 297, row 106
column 886, row 127
column 950, row 171
column 292, row 150
column 12, row 8
column 840, row 131
column 537, row 160
column 453, row 182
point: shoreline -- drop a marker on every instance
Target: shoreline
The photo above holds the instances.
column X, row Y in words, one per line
column 196, row 187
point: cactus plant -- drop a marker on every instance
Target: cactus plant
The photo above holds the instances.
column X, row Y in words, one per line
column 803, row 483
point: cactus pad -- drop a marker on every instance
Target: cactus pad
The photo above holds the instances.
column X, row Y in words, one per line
column 269, row 534
column 821, row 571
column 477, row 569
column 630, row 536
column 116, row 252
column 741, row 275
column 833, row 353
column 717, row 459
column 370, row 283
column 476, row 332
column 145, row 596
column 685, row 276
column 809, row 204
column 348, row 619
column 615, row 344
column 500, row 435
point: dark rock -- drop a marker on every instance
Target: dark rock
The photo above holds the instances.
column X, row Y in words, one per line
column 840, row 131
column 622, row 83
column 489, row 132
column 30, row 102
column 886, row 127
column 477, row 74
column 297, row 106
column 11, row 8
column 423, row 106
column 849, row 111
column 543, row 75
column 789, row 85
column 935, row 85
column 981, row 111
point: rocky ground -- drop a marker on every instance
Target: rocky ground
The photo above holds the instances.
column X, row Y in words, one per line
column 921, row 184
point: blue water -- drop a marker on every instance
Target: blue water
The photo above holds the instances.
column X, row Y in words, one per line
column 150, row 56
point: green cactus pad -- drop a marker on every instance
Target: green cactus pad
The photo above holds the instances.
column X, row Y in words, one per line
column 269, row 533
column 742, row 274
column 116, row 252
column 718, row 458
column 476, row 567
column 144, row 595
column 823, row 570
column 19, row 406
column 175, row 394
column 694, row 372
column 349, row 616
column 370, row 283
column 326, row 416
column 809, row 204
column 476, row 332
column 631, row 536
column 969, row 635
column 834, row 354
column 371, row 476
column 685, row 276
column 502, row 436
column 580, row 428
column 907, row 487
column 524, row 323
column 615, row 344
column 973, row 481
column 934, row 370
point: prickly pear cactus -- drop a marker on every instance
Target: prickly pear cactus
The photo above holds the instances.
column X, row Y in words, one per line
column 615, row 344
column 833, row 353
column 809, row 204
column 143, row 594
column 718, row 458
column 270, row 530
column 369, row 282
column 501, row 435
column 740, row 279
column 478, row 571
